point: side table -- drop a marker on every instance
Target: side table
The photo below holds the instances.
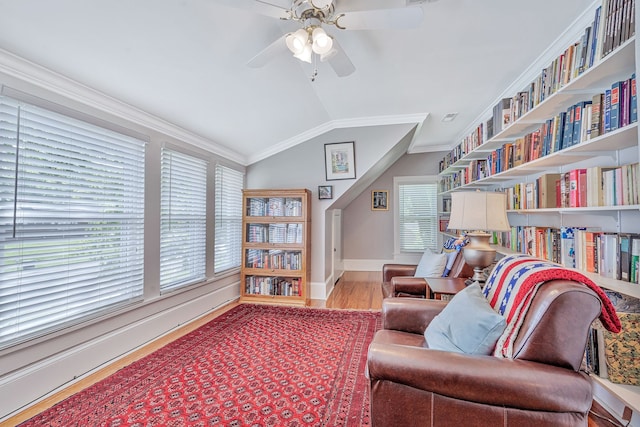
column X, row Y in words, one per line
column 444, row 288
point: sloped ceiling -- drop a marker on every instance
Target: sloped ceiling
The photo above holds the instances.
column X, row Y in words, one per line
column 184, row 61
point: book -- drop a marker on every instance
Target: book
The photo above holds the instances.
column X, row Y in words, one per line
column 624, row 257
column 596, row 115
column 606, row 113
column 609, row 255
column 546, row 190
column 577, row 188
column 614, row 118
column 633, row 100
column 567, row 247
column 634, row 275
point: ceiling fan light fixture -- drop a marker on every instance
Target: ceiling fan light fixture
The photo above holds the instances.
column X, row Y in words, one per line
column 321, row 4
column 322, row 42
column 297, row 41
column 305, row 54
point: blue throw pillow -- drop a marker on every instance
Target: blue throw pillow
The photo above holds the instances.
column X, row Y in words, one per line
column 467, row 324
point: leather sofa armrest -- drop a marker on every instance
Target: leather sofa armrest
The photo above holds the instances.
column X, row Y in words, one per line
column 409, row 314
column 482, row 379
column 409, row 286
column 393, row 270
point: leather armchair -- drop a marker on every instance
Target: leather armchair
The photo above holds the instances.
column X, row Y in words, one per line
column 412, row 385
column 398, row 280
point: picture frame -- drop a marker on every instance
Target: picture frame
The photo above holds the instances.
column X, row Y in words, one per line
column 340, row 161
column 379, row 200
column 325, row 192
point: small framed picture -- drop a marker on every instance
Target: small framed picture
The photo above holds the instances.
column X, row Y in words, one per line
column 340, row 161
column 325, row 192
column 379, row 200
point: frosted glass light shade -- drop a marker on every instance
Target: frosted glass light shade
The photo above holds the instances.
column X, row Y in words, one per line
column 322, row 43
column 297, row 41
column 305, row 55
column 478, row 211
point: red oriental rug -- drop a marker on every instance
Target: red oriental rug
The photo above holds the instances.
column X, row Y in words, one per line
column 254, row 365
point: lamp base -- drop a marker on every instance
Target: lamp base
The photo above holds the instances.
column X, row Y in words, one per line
column 479, row 254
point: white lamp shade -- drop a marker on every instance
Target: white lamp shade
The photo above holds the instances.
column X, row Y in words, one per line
column 478, row 211
column 322, row 43
column 297, row 41
column 321, row 4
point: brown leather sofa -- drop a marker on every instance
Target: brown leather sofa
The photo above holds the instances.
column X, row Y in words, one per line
column 412, row 385
column 398, row 280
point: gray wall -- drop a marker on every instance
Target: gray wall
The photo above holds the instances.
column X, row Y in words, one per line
column 302, row 166
column 368, row 234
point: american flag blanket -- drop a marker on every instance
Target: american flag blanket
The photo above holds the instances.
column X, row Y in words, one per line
column 512, row 285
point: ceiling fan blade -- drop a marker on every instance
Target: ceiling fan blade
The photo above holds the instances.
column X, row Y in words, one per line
column 353, row 5
column 270, row 52
column 272, row 8
column 404, row 18
column 339, row 60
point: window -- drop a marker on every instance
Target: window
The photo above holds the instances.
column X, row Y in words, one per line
column 417, row 215
column 71, row 220
column 183, row 219
column 228, row 218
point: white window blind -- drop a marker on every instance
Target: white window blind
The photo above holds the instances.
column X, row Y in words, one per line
column 71, row 220
column 183, row 219
column 228, row 218
column 418, row 216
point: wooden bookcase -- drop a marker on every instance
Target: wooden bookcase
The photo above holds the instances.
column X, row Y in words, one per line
column 276, row 246
column 612, row 149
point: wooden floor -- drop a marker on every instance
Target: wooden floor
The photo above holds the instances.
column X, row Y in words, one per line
column 355, row 290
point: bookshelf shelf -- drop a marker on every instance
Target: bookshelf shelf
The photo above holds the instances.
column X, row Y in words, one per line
column 276, row 246
column 474, row 164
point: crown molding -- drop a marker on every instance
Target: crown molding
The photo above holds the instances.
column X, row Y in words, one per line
column 329, row 126
column 33, row 74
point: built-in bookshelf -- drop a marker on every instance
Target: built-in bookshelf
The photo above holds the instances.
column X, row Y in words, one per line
column 276, row 246
column 565, row 148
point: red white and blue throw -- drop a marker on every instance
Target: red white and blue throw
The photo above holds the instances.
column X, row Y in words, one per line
column 513, row 283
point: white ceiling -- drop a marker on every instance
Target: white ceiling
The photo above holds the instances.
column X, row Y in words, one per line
column 184, row 61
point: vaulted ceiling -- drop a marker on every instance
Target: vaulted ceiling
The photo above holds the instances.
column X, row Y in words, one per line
column 185, row 61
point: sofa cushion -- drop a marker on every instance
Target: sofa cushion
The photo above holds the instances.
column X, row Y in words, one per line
column 467, row 324
column 431, row 265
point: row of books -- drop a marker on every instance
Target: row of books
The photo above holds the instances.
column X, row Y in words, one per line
column 274, row 233
column 578, row 124
column 613, row 24
column 273, row 259
column 611, row 27
column 612, row 255
column 274, row 206
column 468, row 144
column 259, row 285
column 583, row 187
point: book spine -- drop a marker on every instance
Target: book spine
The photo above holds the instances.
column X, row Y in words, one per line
column 607, row 111
column 615, row 105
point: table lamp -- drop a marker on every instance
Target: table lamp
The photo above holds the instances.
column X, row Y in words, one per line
column 477, row 212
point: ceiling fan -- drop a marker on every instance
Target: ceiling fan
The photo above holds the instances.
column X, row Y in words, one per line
column 311, row 41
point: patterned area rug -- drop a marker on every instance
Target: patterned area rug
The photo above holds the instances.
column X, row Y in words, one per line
column 255, row 365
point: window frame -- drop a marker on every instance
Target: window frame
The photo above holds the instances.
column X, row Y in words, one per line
column 412, row 180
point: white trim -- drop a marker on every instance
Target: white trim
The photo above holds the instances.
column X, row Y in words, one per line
column 19, row 68
column 417, row 119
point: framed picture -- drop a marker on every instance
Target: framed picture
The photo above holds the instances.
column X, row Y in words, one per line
column 325, row 192
column 379, row 200
column 340, row 161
